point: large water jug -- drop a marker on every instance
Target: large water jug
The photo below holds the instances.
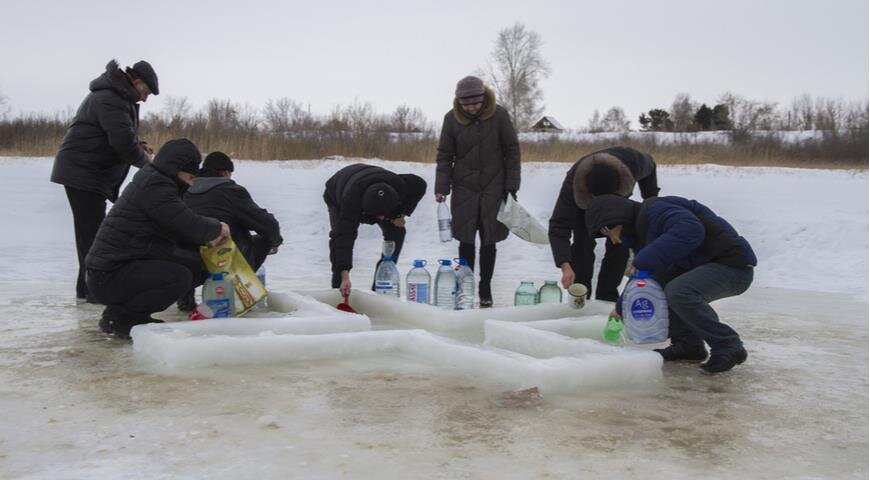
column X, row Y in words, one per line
column 218, row 295
column 261, row 275
column 417, row 283
column 465, row 292
column 445, row 286
column 550, row 293
column 645, row 310
column 387, row 278
column 444, row 220
column 526, row 294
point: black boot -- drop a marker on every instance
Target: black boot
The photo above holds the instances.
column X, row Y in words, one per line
column 682, row 351
column 484, row 290
column 187, row 303
column 722, row 362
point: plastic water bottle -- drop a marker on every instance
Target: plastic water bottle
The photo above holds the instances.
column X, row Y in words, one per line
column 445, row 286
column 417, row 283
column 550, row 293
column 444, row 221
column 465, row 292
column 613, row 330
column 261, row 274
column 526, row 294
column 387, row 275
column 645, row 310
column 218, row 295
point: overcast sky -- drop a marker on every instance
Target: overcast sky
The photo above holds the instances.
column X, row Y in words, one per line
column 634, row 54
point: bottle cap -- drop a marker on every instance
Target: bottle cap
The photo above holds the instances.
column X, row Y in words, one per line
column 217, row 276
column 642, row 274
column 419, row 263
column 461, row 261
column 444, row 261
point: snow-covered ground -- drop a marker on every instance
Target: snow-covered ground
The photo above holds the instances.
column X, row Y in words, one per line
column 76, row 404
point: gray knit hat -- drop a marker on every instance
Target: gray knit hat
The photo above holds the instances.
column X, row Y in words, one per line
column 470, row 90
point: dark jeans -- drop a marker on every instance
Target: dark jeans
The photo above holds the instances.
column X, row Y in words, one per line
column 583, row 263
column 256, row 251
column 692, row 320
column 133, row 292
column 391, row 233
column 89, row 210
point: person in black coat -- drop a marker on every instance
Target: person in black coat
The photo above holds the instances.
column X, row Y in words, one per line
column 361, row 193
column 98, row 149
column 131, row 266
column 609, row 171
column 696, row 255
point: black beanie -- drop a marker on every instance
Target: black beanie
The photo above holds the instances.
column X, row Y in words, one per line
column 218, row 161
column 602, row 180
column 380, row 199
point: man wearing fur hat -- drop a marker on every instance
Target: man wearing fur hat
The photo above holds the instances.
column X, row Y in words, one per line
column 361, row 193
column 98, row 149
column 479, row 163
column 613, row 170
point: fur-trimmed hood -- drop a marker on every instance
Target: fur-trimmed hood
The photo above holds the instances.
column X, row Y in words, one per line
column 115, row 79
column 488, row 111
column 582, row 195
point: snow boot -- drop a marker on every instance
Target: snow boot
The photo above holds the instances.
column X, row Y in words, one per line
column 682, row 351
column 484, row 292
column 722, row 362
column 187, row 303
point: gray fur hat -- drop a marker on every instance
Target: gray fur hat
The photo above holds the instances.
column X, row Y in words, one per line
column 470, row 90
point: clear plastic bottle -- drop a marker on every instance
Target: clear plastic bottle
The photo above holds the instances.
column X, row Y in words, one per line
column 526, row 294
column 465, row 292
column 550, row 293
column 444, row 220
column 219, row 296
column 387, row 278
column 417, row 283
column 261, row 274
column 645, row 310
column 445, row 286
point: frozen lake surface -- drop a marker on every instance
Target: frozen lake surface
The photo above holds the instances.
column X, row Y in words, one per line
column 75, row 403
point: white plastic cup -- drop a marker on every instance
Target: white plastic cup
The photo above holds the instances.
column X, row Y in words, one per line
column 578, row 292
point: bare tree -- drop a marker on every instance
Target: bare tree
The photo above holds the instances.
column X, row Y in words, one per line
column 4, row 105
column 682, row 112
column 407, row 119
column 515, row 69
column 175, row 111
column 595, row 125
column 286, row 115
column 615, row 120
column 748, row 115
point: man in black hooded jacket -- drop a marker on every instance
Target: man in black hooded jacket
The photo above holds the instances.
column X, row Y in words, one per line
column 361, row 193
column 98, row 149
column 132, row 267
column 612, row 170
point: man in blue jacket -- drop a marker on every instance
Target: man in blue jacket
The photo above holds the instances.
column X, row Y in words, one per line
column 696, row 255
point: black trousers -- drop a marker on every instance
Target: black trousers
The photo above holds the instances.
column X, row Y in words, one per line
column 487, row 263
column 134, row 291
column 583, row 262
column 256, row 251
column 391, row 233
column 89, row 210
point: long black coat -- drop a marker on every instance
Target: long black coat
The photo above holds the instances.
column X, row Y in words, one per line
column 343, row 197
column 150, row 219
column 229, row 202
column 568, row 214
column 101, row 143
column 479, row 160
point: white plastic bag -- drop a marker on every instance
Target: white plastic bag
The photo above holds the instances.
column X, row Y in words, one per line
column 521, row 223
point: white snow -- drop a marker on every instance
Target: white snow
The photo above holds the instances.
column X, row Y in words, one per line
column 387, row 394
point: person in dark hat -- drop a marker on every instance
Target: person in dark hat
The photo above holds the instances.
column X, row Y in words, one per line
column 132, row 267
column 478, row 162
column 98, row 149
column 214, row 194
column 613, row 170
column 361, row 193
column 697, row 256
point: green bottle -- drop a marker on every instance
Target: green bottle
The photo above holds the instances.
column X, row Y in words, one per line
column 613, row 330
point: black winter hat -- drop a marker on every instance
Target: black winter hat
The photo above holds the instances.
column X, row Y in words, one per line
column 218, row 161
column 380, row 199
column 609, row 211
column 601, row 180
column 143, row 71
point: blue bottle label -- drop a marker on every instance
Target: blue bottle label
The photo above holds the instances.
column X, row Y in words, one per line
column 383, row 287
column 643, row 309
column 220, row 308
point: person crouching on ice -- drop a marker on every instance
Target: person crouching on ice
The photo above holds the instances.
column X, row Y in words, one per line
column 696, row 256
column 361, row 193
column 132, row 267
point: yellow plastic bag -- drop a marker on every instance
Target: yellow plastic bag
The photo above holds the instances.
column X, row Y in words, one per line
column 227, row 258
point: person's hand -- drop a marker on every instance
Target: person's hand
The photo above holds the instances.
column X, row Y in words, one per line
column 615, row 315
column 439, row 197
column 632, row 270
column 273, row 250
column 567, row 275
column 147, row 148
column 222, row 237
column 344, row 288
column 399, row 221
